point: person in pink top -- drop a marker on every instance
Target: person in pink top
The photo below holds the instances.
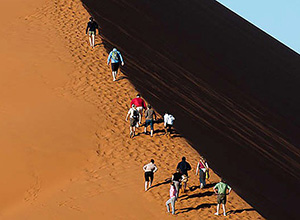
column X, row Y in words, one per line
column 203, row 169
column 172, row 200
column 139, row 103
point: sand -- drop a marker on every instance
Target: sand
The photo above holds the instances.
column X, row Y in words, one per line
column 65, row 147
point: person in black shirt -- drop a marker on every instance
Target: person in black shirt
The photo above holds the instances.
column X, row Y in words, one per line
column 184, row 168
column 92, row 26
column 176, row 178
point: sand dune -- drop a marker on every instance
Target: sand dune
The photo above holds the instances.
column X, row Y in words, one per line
column 233, row 89
column 65, row 151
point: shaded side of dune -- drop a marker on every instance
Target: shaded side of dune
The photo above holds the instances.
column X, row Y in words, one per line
column 232, row 88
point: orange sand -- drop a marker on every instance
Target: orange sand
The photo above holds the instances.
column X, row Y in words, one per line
column 65, row 150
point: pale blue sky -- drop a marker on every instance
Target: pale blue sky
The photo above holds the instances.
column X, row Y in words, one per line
column 279, row 18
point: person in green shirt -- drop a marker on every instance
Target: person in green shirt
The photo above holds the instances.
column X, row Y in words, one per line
column 221, row 190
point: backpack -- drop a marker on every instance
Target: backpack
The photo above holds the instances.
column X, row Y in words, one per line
column 135, row 114
column 115, row 55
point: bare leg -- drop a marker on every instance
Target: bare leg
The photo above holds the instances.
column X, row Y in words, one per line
column 90, row 40
column 224, row 210
column 145, row 130
column 146, row 184
column 141, row 112
column 166, row 131
column 131, row 133
column 150, row 183
column 93, row 40
column 218, row 206
column 114, row 75
column 151, row 133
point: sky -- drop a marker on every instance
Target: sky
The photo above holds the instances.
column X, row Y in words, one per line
column 279, row 18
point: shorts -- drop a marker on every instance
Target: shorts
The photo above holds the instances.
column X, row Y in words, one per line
column 140, row 108
column 133, row 122
column 149, row 122
column 221, row 199
column 115, row 66
column 168, row 127
column 149, row 175
column 92, row 32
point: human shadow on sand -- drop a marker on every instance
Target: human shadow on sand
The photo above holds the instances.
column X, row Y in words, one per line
column 204, row 205
column 207, row 186
column 99, row 44
column 158, row 121
column 121, row 78
column 168, row 180
column 196, row 195
column 239, row 211
column 161, row 132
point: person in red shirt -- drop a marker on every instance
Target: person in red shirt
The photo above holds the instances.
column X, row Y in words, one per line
column 139, row 103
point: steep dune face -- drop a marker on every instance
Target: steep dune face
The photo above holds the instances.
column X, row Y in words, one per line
column 233, row 89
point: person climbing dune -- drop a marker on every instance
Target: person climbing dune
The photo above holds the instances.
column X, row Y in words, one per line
column 115, row 58
column 168, row 124
column 149, row 116
column 172, row 199
column 202, row 169
column 184, row 167
column 177, row 178
column 139, row 103
column 149, row 169
column 92, row 26
column 134, row 117
column 221, row 191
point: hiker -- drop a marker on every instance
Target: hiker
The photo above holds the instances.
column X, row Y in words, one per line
column 149, row 169
column 221, row 190
column 115, row 58
column 139, row 103
column 92, row 26
column 176, row 179
column 168, row 123
column 134, row 119
column 172, row 199
column 202, row 167
column 184, row 168
column 149, row 113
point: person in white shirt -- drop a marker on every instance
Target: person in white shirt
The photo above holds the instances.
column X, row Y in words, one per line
column 203, row 169
column 135, row 119
column 149, row 169
column 168, row 123
column 172, row 200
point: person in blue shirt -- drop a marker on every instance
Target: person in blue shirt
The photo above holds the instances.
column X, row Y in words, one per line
column 115, row 58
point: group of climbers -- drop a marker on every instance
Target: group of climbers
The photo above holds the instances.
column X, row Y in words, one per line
column 137, row 107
